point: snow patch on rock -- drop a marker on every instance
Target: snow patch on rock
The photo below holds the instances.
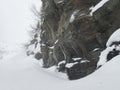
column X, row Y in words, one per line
column 103, row 56
column 72, row 18
column 69, row 65
column 115, row 37
column 99, row 5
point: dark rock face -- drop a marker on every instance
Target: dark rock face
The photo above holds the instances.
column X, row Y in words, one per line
column 107, row 17
column 112, row 54
column 68, row 31
column 38, row 56
column 80, row 69
column 75, row 72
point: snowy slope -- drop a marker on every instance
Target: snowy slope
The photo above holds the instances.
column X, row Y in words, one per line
column 24, row 73
column 7, row 51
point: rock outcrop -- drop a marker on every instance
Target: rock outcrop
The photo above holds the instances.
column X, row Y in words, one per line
column 69, row 33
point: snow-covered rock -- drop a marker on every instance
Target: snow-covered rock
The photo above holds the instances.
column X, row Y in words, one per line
column 112, row 50
column 103, row 56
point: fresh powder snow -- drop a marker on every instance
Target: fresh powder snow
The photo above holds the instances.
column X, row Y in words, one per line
column 24, row 73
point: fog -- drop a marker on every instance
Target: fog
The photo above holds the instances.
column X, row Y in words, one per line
column 16, row 18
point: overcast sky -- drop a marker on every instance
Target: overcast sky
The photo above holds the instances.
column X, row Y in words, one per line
column 15, row 20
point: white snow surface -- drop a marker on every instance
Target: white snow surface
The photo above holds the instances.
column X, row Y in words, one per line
column 114, row 37
column 24, row 73
column 99, row 5
column 7, row 51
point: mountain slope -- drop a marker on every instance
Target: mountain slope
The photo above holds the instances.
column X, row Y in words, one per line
column 24, row 73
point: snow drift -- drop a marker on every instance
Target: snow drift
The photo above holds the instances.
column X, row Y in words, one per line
column 23, row 73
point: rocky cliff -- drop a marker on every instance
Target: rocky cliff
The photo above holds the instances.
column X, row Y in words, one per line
column 70, row 37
